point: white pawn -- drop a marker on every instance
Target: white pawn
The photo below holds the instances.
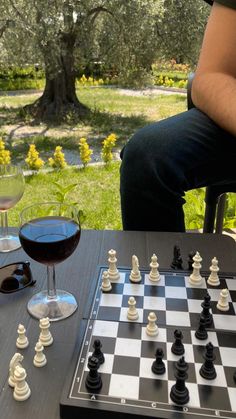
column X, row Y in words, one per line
column 106, row 284
column 223, row 304
column 16, row 360
column 195, row 277
column 214, row 278
column 39, row 358
column 154, row 265
column 152, row 329
column 132, row 313
column 21, row 390
column 22, row 340
column 135, row 275
column 112, row 270
column 45, row 336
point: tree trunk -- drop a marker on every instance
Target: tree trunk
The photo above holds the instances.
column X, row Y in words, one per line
column 59, row 98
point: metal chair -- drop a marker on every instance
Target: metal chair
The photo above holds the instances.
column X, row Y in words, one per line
column 215, row 197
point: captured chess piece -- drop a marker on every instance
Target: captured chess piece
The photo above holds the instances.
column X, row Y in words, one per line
column 154, row 274
column 179, row 393
column 201, row 332
column 158, row 366
column 106, row 283
column 135, row 275
column 39, row 358
column 45, row 336
column 22, row 340
column 206, row 306
column 177, row 262
column 223, row 304
column 97, row 353
column 177, row 347
column 21, row 390
column 93, row 380
column 15, row 360
column 207, row 369
column 214, row 278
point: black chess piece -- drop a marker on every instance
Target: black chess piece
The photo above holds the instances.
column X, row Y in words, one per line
column 190, row 260
column 97, row 353
column 201, row 332
column 179, row 393
column 158, row 366
column 93, row 380
column 235, row 376
column 177, row 262
column 206, row 305
column 207, row 369
column 177, row 347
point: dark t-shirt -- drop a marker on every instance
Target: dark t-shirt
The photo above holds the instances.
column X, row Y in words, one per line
column 227, row 3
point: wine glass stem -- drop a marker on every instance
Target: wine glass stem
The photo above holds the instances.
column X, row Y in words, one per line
column 4, row 224
column 51, row 279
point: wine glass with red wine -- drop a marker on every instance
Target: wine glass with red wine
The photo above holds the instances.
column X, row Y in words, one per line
column 49, row 234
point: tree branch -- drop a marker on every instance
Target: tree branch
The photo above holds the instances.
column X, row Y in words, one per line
column 22, row 18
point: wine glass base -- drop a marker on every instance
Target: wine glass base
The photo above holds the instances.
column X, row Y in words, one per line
column 61, row 307
column 9, row 243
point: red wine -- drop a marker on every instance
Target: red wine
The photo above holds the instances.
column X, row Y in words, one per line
column 50, row 240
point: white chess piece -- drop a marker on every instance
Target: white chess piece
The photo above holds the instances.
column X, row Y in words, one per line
column 135, row 275
column 15, row 360
column 195, row 277
column 22, row 340
column 214, row 278
column 152, row 329
column 21, row 390
column 154, row 274
column 132, row 313
column 112, row 270
column 39, row 358
column 223, row 304
column 45, row 336
column 106, row 284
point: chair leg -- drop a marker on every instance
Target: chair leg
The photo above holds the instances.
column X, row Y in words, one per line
column 220, row 213
column 209, row 218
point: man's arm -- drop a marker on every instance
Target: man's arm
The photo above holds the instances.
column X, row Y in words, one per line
column 214, row 84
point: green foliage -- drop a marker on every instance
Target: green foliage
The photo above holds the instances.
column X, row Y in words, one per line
column 5, row 157
column 61, row 196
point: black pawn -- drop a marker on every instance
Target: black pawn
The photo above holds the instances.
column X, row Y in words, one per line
column 177, row 347
column 97, row 353
column 93, row 380
column 179, row 393
column 177, row 262
column 190, row 260
column 158, row 366
column 201, row 332
column 207, row 369
column 206, row 305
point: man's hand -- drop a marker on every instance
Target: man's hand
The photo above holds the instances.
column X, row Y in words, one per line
column 214, row 85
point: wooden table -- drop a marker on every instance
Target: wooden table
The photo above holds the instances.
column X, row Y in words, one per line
column 78, row 275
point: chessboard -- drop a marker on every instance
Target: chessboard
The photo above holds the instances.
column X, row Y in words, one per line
column 129, row 386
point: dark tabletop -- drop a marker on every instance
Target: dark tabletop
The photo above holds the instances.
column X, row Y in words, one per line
column 78, row 275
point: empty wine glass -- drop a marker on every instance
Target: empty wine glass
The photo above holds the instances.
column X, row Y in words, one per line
column 12, row 185
column 49, row 234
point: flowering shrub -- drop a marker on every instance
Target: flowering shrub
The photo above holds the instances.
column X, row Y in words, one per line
column 58, row 159
column 182, row 84
column 107, row 146
column 5, row 157
column 33, row 160
column 90, row 81
column 84, row 151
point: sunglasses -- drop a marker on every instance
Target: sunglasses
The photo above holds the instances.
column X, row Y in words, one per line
column 15, row 276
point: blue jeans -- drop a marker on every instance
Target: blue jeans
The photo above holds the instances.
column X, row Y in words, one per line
column 164, row 160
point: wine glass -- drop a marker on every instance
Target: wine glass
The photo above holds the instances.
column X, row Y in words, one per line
column 49, row 234
column 12, row 185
